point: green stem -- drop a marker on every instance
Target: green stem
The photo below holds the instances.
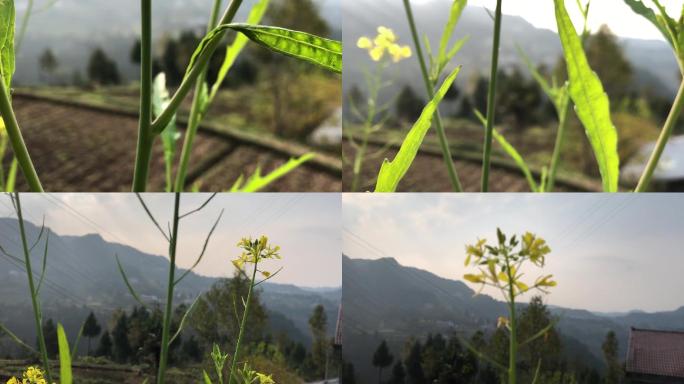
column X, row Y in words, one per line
column 513, row 342
column 34, row 297
column 243, row 325
column 665, row 134
column 558, row 146
column 18, row 145
column 491, row 100
column 430, row 88
column 145, row 135
column 198, row 106
column 358, row 160
column 173, row 241
column 24, row 26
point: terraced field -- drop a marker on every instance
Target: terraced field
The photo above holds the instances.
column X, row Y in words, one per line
column 79, row 146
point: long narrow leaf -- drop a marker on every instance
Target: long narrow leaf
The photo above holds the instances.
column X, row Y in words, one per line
column 184, row 319
column 640, row 8
column 207, row 380
column 591, row 102
column 128, row 284
column 16, row 339
column 393, row 171
column 64, row 357
column 314, row 49
column 74, row 349
column 45, row 253
column 234, row 50
column 204, row 249
column 169, row 134
column 457, row 8
column 257, row 182
column 512, row 153
column 7, row 64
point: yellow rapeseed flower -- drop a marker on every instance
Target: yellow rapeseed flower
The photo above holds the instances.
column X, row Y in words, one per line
column 33, row 375
column 384, row 42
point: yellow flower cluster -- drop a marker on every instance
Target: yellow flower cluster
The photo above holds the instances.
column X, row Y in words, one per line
column 254, row 251
column 33, row 375
column 498, row 266
column 384, row 42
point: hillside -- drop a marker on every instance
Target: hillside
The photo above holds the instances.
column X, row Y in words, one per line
column 73, row 28
column 654, row 64
column 82, row 275
column 385, row 300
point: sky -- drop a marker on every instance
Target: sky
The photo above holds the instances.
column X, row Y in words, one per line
column 307, row 227
column 615, row 13
column 610, row 253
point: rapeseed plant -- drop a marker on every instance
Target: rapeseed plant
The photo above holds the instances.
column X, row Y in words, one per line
column 499, row 266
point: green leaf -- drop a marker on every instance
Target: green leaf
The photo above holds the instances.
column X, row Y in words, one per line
column 7, row 15
column 393, row 171
column 128, row 284
column 16, row 339
column 187, row 313
column 207, row 380
column 169, row 134
column 234, row 50
column 257, row 182
column 640, row 8
column 512, row 153
column 457, row 8
column 64, row 357
column 301, row 45
column 591, row 102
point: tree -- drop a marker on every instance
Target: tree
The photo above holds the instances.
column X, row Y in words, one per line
column 102, row 70
column 347, row 375
column 409, row 104
column 136, row 57
column 50, row 335
column 191, row 350
column 318, row 323
column 214, row 317
column 610, row 355
column 414, row 370
column 121, row 348
column 105, row 347
column 546, row 349
column 91, row 329
column 48, row 62
column 382, row 359
column 398, row 374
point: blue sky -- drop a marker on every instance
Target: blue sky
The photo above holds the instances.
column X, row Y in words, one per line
column 609, row 252
column 306, row 226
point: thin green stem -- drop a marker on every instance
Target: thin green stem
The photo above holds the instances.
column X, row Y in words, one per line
column 374, row 85
column 665, row 135
column 145, row 134
column 491, row 100
column 18, row 145
column 430, row 88
column 34, row 296
column 24, row 26
column 166, row 329
column 198, row 106
column 513, row 342
column 243, row 325
column 558, row 146
column 358, row 160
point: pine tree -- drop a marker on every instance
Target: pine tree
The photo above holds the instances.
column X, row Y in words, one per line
column 91, row 329
column 610, row 355
column 414, row 370
column 318, row 323
column 382, row 359
column 398, row 374
column 121, row 348
column 105, row 347
column 50, row 335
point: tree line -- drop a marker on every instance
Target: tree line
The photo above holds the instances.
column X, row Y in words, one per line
column 441, row 359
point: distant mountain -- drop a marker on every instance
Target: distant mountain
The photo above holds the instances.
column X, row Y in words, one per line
column 82, row 275
column 74, row 28
column 654, row 63
column 384, row 300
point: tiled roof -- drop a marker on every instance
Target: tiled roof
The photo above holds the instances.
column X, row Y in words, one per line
column 659, row 353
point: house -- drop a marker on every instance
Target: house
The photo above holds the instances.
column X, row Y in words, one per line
column 655, row 357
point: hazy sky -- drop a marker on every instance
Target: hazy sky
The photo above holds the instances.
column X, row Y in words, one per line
column 307, row 227
column 609, row 253
column 615, row 13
